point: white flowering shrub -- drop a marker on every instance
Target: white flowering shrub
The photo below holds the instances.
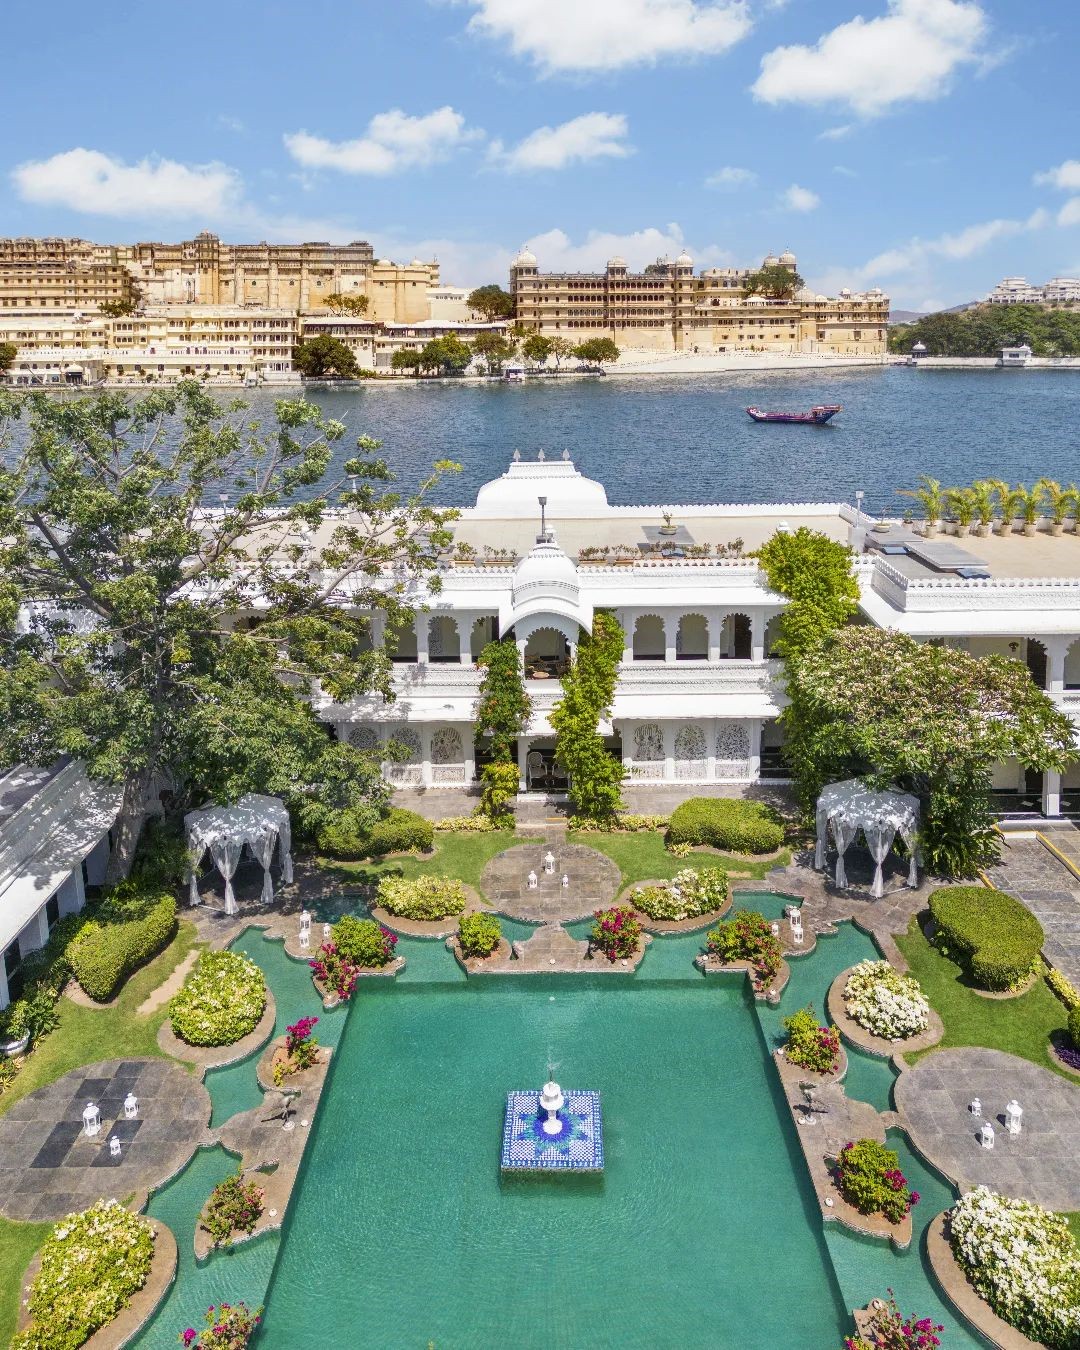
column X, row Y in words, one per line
column 221, row 1001
column 1023, row 1261
column 885, row 1002
column 688, row 894
column 90, row 1266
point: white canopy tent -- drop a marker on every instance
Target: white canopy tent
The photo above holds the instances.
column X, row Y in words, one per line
column 850, row 806
column 257, row 821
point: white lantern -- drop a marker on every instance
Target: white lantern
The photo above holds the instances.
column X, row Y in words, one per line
column 1013, row 1112
column 305, row 939
column 531, row 881
column 776, row 930
column 114, row 1147
column 305, row 920
column 131, row 1106
column 565, row 880
column 986, row 1135
column 976, row 1107
column 549, row 862
column 326, row 932
column 796, row 928
column 91, row 1119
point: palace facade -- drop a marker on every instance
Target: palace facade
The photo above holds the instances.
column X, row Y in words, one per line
column 669, row 308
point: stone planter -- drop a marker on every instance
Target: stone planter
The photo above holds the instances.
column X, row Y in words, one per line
column 1031, row 528
column 930, row 529
column 11, row 1049
column 982, row 529
column 962, row 531
column 1004, row 527
column 1057, row 528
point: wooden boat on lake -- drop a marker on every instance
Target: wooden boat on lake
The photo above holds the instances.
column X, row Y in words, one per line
column 816, row 417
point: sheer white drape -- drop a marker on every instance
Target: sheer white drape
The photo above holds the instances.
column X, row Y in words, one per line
column 844, row 834
column 257, row 821
column 263, row 848
column 879, row 839
column 850, row 807
column 226, row 854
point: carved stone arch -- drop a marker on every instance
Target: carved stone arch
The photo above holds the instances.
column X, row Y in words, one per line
column 364, row 737
column 736, row 636
column 692, row 637
column 648, row 742
column 446, row 746
column 444, row 638
column 650, row 640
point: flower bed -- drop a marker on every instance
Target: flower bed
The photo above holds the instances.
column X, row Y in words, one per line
column 1023, row 1261
column 221, row 1001
column 747, row 936
column 885, row 1002
column 91, row 1265
column 334, row 972
column 616, row 932
column 889, row 1329
column 474, row 824
column 235, row 1206
column 423, row 897
column 811, row 1045
column 688, row 894
column 301, row 1050
column 479, row 934
column 990, row 935
column 363, row 942
column 870, row 1178
column 229, row 1326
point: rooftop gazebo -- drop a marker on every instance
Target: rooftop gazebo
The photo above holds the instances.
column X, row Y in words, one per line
column 256, row 821
column 846, row 808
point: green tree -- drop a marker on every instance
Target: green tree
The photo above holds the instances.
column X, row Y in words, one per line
column 595, row 351
column 324, row 355
column 775, row 282
column 492, row 302
column 354, row 305
column 405, row 358
column 499, row 791
column 176, row 643
column 446, row 355
column 537, row 348
column 814, row 572
column 588, row 693
column 495, row 349
column 118, row 309
column 561, row 349
column 504, row 708
column 874, row 704
column 8, row 353
column 984, row 329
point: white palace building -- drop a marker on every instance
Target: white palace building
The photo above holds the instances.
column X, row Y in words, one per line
column 699, row 690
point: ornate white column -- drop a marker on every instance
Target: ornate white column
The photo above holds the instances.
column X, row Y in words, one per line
column 716, row 623
column 469, row 753
column 422, row 625
column 464, row 628
column 671, row 632
column 754, row 758
column 626, row 735
column 1051, row 796
column 1056, row 651
column 757, row 636
column 523, row 755
column 710, row 750
column 425, row 751
column 628, row 617
column 669, row 751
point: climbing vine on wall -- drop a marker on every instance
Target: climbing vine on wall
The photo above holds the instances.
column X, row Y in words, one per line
column 504, row 708
column 588, row 693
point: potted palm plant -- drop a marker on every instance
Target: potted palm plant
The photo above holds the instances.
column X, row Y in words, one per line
column 932, row 500
column 962, row 507
column 1030, row 502
column 1062, row 502
column 1009, row 500
column 982, row 498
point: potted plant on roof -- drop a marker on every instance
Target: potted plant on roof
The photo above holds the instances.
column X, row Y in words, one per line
column 464, row 553
column 1063, row 502
column 962, row 505
column 1008, row 503
column 668, row 527
column 982, row 499
column 1030, row 501
column 932, row 500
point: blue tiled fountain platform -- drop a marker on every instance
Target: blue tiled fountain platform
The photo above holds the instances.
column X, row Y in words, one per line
column 578, row 1147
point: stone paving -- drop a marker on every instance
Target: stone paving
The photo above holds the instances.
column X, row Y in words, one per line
column 594, row 881
column 49, row 1168
column 1030, row 871
column 1042, row 1163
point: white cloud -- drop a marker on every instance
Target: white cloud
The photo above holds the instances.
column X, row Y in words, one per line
column 94, row 182
column 797, row 198
column 1065, row 176
column 394, row 141
column 1070, row 212
column 870, row 65
column 576, row 36
column 954, row 247
column 836, row 133
column 730, row 177
column 844, row 171
column 591, row 136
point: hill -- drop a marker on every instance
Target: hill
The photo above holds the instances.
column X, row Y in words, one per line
column 982, row 330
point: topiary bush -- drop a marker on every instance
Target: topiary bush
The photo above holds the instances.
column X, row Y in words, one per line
column 479, row 934
column 221, row 1001
column 363, row 942
column 994, row 938
column 728, row 823
column 124, row 932
column 747, row 936
column 91, row 1265
column 423, row 898
column 811, row 1045
column 870, row 1178
column 400, row 832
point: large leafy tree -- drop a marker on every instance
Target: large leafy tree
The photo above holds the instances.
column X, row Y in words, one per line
column 173, row 587
column 324, row 355
column 495, row 349
column 8, row 353
column 595, row 351
column 445, row 355
column 339, row 303
column 492, row 302
column 879, row 705
column 775, row 282
column 588, row 693
column 814, row 572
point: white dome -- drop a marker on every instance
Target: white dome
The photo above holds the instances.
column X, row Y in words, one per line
column 546, row 563
column 770, row 261
column 416, row 262
column 821, row 299
column 684, row 260
column 525, row 259
column 787, row 257
column 616, row 261
column 805, row 294
column 845, row 294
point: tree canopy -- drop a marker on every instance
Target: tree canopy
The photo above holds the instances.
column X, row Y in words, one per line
column 492, row 302
column 495, row 349
column 503, row 708
column 173, row 640
column 405, row 358
column 8, row 353
column 814, row 572
column 537, row 348
column 325, row 355
column 595, row 351
column 354, row 305
column 985, row 329
column 445, row 355
column 775, row 282
column 875, row 704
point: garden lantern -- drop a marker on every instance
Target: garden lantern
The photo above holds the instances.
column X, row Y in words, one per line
column 565, row 880
column 131, row 1106
column 305, row 939
column 326, row 932
column 976, row 1107
column 91, row 1119
column 986, row 1135
column 549, row 862
column 776, row 930
column 114, row 1147
column 796, row 928
column 531, row 881
column 1013, row 1112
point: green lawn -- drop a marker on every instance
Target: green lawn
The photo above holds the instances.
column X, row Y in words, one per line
column 86, row 1035
column 18, row 1243
column 1020, row 1026
column 640, row 857
column 456, row 855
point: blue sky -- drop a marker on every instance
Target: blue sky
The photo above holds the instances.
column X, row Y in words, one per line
column 926, row 146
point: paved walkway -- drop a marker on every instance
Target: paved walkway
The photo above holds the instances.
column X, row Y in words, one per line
column 1042, row 1163
column 1030, row 871
column 594, row 881
column 49, row 1168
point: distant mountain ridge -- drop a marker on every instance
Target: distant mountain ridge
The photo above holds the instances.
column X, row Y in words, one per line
column 914, row 315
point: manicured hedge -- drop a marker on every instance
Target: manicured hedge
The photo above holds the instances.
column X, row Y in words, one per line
column 363, row 942
column 401, row 832
column 727, row 823
column 424, row 897
column 221, row 1000
column 124, row 933
column 993, row 937
column 479, row 934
